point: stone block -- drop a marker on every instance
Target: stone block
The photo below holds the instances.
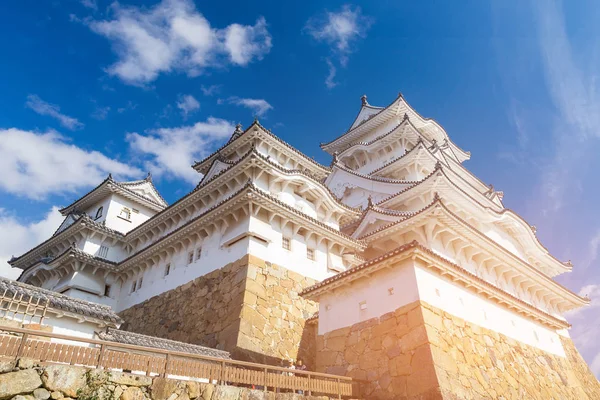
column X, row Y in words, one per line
column 19, row 382
column 132, row 393
column 64, row 378
column 121, row 378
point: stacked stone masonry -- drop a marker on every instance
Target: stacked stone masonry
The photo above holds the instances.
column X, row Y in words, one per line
column 421, row 352
column 29, row 381
column 250, row 308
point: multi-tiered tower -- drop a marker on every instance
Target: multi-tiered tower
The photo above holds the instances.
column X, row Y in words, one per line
column 456, row 299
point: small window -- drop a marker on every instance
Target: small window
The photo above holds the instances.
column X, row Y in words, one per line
column 133, row 286
column 103, row 251
column 167, row 269
column 310, row 254
column 286, row 243
column 190, row 257
column 198, row 253
column 125, row 213
column 106, row 290
column 99, row 212
column 139, row 286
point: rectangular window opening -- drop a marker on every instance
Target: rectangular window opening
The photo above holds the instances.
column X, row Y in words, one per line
column 167, row 269
column 198, row 253
column 190, row 257
column 310, row 254
column 106, row 290
column 286, row 243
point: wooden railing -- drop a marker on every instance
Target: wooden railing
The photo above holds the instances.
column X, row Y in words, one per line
column 25, row 343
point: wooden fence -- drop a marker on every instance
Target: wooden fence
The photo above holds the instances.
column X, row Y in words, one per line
column 17, row 343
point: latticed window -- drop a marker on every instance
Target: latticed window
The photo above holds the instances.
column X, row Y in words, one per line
column 125, row 213
column 103, row 251
column 310, row 254
column 133, row 286
column 190, row 257
column 140, row 282
column 286, row 243
column 198, row 253
column 167, row 269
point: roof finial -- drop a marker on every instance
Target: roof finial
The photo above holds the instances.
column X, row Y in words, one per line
column 370, row 202
column 363, row 99
column 436, row 196
column 569, row 263
column 238, row 128
column 405, row 117
column 110, row 175
column 335, row 158
column 149, row 177
column 400, row 95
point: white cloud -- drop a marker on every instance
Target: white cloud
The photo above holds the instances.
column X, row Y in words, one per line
column 574, row 92
column 129, row 106
column 258, row 106
column 585, row 322
column 100, row 113
column 91, row 4
column 330, row 80
column 187, row 104
column 211, row 90
column 174, row 36
column 340, row 30
column 34, row 165
column 16, row 237
column 173, row 150
column 43, row 108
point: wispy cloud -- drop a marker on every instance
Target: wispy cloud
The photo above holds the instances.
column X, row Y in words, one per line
column 52, row 110
column 129, row 106
column 259, row 107
column 574, row 94
column 35, row 165
column 174, row 36
column 340, row 30
column 211, row 90
column 91, row 4
column 100, row 113
column 16, row 237
column 187, row 104
column 171, row 151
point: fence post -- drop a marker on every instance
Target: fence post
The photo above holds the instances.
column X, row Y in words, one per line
column 339, row 388
column 265, row 380
column 167, row 358
column 222, row 372
column 21, row 346
column 100, row 357
column 309, row 387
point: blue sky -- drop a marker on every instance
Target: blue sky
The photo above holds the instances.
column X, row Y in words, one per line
column 91, row 87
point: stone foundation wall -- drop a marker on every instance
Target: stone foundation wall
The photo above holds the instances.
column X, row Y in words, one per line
column 28, row 381
column 250, row 308
column 420, row 352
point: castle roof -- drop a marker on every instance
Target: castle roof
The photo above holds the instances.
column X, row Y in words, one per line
column 137, row 339
column 59, row 303
column 141, row 191
column 374, row 117
column 257, row 131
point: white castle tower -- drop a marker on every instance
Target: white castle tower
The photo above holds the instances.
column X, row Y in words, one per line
column 457, row 298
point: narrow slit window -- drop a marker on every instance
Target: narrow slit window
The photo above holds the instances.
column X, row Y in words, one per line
column 140, row 282
column 198, row 253
column 133, row 286
column 106, row 290
column 99, row 212
column 286, row 243
column 190, row 257
column 167, row 269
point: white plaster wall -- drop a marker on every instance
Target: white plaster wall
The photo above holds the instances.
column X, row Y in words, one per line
column 294, row 259
column 214, row 256
column 93, row 209
column 341, row 307
column 477, row 310
column 69, row 326
column 115, row 206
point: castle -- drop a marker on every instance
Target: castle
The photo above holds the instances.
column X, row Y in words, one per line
column 395, row 265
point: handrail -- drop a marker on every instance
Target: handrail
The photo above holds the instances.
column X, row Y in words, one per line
column 304, row 376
